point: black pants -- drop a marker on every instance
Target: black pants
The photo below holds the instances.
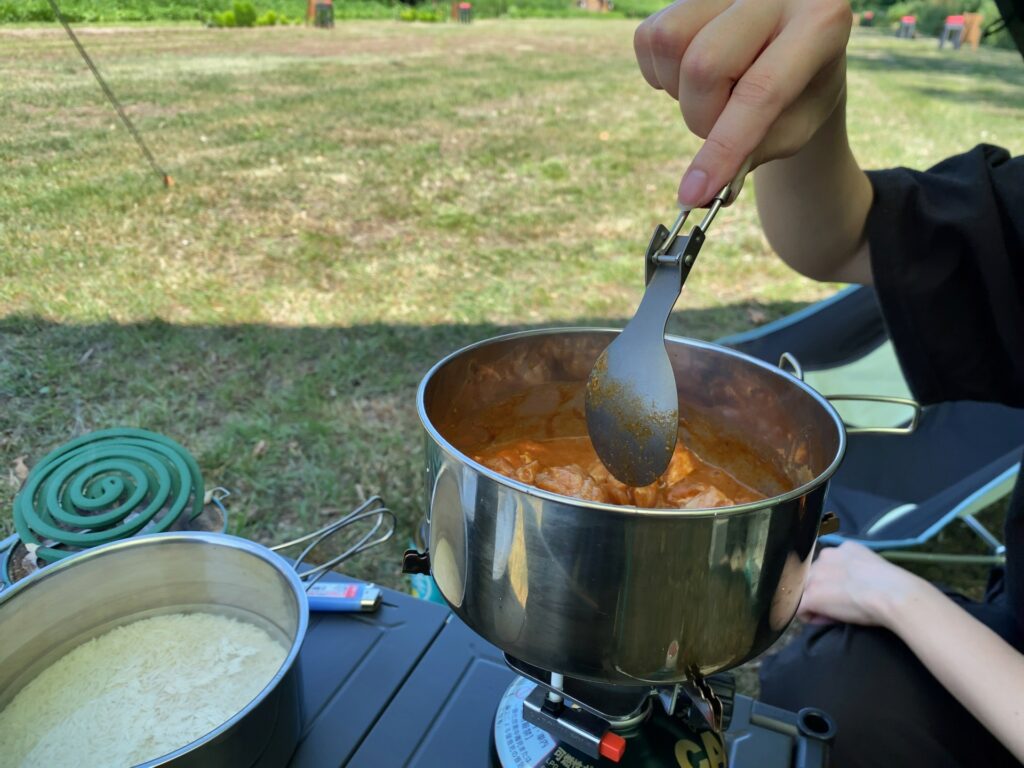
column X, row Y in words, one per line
column 889, row 710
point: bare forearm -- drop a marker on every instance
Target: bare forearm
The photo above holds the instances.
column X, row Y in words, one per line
column 813, row 206
column 972, row 662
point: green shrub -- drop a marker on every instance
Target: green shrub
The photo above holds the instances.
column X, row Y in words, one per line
column 224, row 19
column 357, row 9
column 98, row 11
column 931, row 16
column 560, row 9
column 638, row 9
column 429, row 15
column 29, row 11
column 270, row 19
column 245, row 13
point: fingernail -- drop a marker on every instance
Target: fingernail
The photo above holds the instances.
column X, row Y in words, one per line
column 691, row 188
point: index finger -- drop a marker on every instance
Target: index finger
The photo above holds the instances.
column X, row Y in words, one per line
column 773, row 82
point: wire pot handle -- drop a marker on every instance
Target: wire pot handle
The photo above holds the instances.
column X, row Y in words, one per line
column 905, row 429
column 789, row 364
column 373, row 508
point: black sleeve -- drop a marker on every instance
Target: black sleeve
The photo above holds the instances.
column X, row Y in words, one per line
column 947, row 256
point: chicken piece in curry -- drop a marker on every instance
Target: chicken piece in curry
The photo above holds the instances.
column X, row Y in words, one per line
column 569, row 466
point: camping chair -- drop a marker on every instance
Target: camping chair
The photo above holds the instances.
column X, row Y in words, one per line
column 895, row 492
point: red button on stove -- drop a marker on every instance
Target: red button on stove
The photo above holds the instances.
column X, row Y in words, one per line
column 612, row 746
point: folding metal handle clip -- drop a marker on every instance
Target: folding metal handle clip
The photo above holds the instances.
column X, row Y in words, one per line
column 667, row 248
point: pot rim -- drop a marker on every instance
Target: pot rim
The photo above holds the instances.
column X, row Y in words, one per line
column 207, row 537
column 737, row 509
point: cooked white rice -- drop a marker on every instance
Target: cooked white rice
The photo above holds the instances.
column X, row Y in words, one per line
column 138, row 692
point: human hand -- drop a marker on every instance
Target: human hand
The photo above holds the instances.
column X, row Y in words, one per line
column 755, row 78
column 852, row 584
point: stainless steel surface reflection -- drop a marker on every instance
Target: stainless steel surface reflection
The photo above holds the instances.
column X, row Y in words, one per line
column 619, row 594
column 45, row 616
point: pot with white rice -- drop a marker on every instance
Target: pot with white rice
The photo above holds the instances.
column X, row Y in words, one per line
column 172, row 649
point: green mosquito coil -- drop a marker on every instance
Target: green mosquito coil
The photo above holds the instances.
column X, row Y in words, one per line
column 106, row 486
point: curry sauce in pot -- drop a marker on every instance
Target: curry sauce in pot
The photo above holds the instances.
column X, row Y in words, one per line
column 539, row 438
column 570, row 466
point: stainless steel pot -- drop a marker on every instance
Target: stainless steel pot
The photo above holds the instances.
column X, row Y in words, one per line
column 620, row 594
column 56, row 609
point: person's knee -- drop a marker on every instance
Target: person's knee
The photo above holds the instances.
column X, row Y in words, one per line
column 883, row 701
column 807, row 672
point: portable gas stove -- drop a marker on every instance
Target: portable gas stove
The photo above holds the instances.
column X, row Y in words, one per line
column 582, row 724
column 549, row 720
column 411, row 685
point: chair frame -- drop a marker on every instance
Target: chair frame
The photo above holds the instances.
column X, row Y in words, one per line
column 965, row 511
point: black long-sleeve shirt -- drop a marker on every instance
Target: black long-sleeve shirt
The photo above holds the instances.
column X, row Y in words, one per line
column 947, row 257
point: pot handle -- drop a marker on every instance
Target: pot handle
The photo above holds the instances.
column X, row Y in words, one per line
column 382, row 519
column 789, row 364
column 906, row 429
column 5, row 546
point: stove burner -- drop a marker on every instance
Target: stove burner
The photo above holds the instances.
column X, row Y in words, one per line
column 657, row 740
column 758, row 736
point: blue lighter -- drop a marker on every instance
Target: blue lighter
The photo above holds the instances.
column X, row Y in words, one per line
column 343, row 597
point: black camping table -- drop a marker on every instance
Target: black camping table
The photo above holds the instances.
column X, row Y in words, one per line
column 408, row 685
column 411, row 686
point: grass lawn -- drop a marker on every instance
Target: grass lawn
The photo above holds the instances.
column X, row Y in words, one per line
column 349, row 207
